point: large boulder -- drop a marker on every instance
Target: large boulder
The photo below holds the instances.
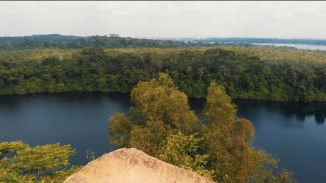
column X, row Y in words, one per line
column 129, row 165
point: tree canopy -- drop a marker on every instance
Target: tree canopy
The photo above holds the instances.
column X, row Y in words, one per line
column 215, row 144
column 70, row 42
column 246, row 72
column 47, row 163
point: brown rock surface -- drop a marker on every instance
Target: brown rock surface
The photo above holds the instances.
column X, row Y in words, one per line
column 129, row 165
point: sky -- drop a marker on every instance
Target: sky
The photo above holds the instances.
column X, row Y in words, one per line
column 158, row 19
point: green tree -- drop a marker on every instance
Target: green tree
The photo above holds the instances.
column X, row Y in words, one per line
column 227, row 142
column 226, row 138
column 160, row 110
column 183, row 152
column 216, row 145
column 48, row 163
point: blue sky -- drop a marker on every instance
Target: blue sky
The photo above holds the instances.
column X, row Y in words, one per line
column 275, row 19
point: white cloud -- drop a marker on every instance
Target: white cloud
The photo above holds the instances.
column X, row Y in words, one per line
column 165, row 18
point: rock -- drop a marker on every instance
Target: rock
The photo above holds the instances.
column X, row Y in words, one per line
column 129, row 165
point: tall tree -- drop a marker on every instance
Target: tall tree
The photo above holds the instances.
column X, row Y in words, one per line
column 226, row 138
column 216, row 145
column 160, row 109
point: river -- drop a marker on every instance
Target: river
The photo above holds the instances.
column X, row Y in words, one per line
column 295, row 132
column 298, row 46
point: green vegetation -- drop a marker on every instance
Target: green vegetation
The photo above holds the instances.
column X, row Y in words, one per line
column 48, row 163
column 246, row 72
column 115, row 41
column 216, row 144
column 73, row 42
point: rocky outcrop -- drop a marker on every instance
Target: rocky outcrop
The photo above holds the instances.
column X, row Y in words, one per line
column 129, row 165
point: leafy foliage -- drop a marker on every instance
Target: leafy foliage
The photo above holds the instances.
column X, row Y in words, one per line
column 227, row 139
column 216, row 144
column 69, row 42
column 181, row 150
column 48, row 163
column 246, row 72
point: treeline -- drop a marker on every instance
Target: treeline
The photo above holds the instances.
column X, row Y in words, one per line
column 115, row 41
column 72, row 42
column 244, row 75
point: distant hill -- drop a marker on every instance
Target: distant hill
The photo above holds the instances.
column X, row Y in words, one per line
column 70, row 42
column 115, row 41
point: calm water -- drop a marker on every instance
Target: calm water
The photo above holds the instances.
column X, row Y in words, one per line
column 299, row 46
column 295, row 132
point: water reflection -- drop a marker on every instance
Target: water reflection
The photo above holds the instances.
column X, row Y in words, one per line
column 299, row 110
column 9, row 101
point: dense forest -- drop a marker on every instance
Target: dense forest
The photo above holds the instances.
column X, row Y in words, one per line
column 246, row 71
column 71, row 42
column 115, row 41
